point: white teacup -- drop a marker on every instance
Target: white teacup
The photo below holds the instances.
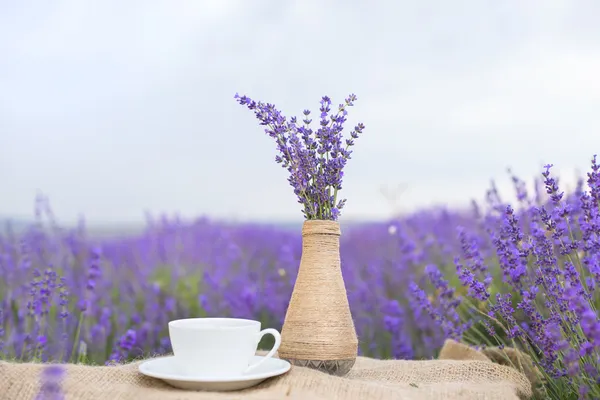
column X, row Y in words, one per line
column 217, row 347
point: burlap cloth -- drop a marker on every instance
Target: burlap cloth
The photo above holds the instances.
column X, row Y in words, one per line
column 460, row 373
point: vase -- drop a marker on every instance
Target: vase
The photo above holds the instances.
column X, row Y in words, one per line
column 318, row 331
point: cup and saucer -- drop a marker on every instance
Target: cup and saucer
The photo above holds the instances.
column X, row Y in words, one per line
column 216, row 354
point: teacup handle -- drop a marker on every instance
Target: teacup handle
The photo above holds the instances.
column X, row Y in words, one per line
column 271, row 353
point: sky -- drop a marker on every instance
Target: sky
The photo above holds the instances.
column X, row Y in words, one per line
column 112, row 109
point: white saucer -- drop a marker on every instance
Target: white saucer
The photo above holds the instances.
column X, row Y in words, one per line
column 163, row 368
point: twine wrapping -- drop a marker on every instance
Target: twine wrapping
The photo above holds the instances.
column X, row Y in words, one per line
column 318, row 324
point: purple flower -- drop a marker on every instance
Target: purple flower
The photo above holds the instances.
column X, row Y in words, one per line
column 94, row 269
column 445, row 308
column 594, row 180
column 51, row 378
column 315, row 159
column 396, row 324
column 123, row 346
column 475, row 269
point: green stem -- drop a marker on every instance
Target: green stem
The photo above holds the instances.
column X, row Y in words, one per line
column 579, row 264
column 38, row 350
column 77, row 333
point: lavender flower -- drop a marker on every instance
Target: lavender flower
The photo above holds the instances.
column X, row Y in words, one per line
column 445, row 309
column 315, row 159
column 550, row 273
column 471, row 274
column 396, row 324
column 51, row 378
column 123, row 346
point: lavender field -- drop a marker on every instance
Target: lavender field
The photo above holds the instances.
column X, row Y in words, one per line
column 524, row 275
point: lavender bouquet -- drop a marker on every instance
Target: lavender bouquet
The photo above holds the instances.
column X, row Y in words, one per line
column 314, row 159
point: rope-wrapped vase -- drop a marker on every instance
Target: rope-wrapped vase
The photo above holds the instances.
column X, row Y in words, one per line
column 318, row 331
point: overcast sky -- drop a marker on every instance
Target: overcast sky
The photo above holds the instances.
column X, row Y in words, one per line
column 113, row 107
